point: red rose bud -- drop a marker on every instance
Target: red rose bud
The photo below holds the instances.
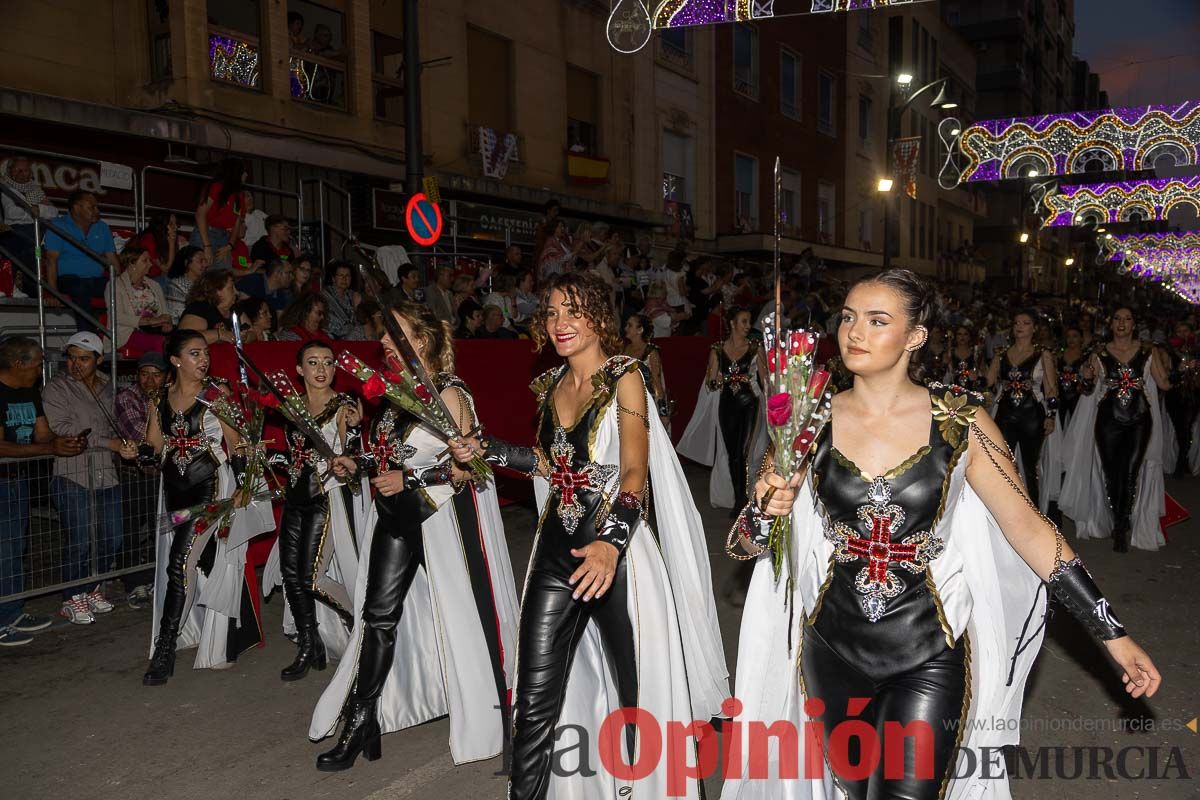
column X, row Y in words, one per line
column 421, row 392
column 223, row 532
column 803, row 442
column 393, row 376
column 211, row 508
column 817, row 383
column 779, row 409
column 374, row 387
column 802, row 343
column 200, row 526
column 268, row 400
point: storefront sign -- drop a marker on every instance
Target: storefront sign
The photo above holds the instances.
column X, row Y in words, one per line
column 387, row 210
column 491, row 222
column 118, row 176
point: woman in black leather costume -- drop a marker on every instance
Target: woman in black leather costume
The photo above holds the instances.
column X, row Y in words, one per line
column 430, row 519
column 963, row 367
column 1026, row 383
column 189, row 438
column 733, row 370
column 304, row 526
column 1123, row 419
column 593, row 548
column 1071, row 385
column 880, row 628
column 1182, row 402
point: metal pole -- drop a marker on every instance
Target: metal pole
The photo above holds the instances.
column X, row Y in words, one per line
column 321, row 220
column 414, row 157
column 889, row 213
column 41, row 298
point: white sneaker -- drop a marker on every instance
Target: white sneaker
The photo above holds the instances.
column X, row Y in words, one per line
column 76, row 610
column 97, row 604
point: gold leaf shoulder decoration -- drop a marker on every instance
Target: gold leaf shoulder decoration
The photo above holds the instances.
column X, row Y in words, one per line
column 954, row 409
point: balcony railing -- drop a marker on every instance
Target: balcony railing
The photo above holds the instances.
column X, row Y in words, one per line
column 233, row 58
column 317, row 80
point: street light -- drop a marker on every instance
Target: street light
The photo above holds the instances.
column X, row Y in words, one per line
column 885, row 184
column 1024, row 238
column 895, row 116
column 1070, row 262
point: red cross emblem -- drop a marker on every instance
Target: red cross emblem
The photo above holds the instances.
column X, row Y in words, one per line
column 386, row 449
column 876, row 581
column 567, row 480
column 1017, row 385
column 301, row 457
column 184, row 445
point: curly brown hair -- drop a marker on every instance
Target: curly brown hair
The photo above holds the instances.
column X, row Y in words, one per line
column 208, row 286
column 437, row 336
column 591, row 297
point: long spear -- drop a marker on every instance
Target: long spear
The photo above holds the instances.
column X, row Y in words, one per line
column 778, row 282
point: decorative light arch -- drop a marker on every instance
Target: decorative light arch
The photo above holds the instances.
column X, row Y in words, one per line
column 1117, row 200
column 1129, row 136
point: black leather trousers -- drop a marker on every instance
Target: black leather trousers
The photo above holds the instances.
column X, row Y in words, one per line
column 303, row 555
column 552, row 623
column 931, row 694
column 187, row 546
column 737, row 413
column 1182, row 406
column 397, row 550
column 1024, row 428
column 1122, row 446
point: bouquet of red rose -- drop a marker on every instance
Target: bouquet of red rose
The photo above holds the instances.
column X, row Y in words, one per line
column 405, row 391
column 228, row 410
column 797, row 410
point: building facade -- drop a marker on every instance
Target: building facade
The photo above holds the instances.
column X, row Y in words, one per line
column 312, row 94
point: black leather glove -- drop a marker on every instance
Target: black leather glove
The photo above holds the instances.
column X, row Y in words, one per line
column 1072, row 584
column 504, row 454
column 425, row 477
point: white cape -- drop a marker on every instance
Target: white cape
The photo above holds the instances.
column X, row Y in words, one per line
column 681, row 661
column 215, row 601
column 1084, row 498
column 441, row 664
column 702, row 442
column 343, row 546
column 991, row 594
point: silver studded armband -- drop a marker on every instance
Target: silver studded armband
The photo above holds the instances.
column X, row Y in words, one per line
column 1071, row 583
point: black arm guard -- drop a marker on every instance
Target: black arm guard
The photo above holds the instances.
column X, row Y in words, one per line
column 749, row 526
column 238, row 463
column 504, row 454
column 426, row 477
column 1073, row 586
column 622, row 521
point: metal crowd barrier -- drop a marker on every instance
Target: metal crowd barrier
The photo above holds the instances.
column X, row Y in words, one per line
column 58, row 529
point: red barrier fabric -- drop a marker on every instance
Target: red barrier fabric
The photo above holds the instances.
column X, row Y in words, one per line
column 498, row 372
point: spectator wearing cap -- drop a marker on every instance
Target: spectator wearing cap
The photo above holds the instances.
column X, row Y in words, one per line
column 440, row 295
column 276, row 245
column 139, row 482
column 25, row 435
column 72, row 271
column 79, row 403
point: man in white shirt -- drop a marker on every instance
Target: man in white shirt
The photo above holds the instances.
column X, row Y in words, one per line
column 19, row 236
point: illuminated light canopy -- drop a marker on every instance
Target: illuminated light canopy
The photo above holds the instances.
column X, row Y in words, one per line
column 680, row 13
column 1119, row 243
column 1122, row 201
column 1115, row 139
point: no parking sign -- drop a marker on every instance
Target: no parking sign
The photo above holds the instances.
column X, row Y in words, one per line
column 424, row 220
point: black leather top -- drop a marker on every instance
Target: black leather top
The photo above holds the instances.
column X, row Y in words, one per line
column 304, row 485
column 1124, row 399
column 1015, row 384
column 908, row 631
column 188, row 456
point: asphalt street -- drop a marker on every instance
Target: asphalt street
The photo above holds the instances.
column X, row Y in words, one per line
column 76, row 721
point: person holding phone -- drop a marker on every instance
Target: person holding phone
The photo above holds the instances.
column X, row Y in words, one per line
column 79, row 404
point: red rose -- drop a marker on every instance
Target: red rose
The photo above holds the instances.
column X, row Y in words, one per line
column 803, row 442
column 223, row 532
column 771, row 356
column 779, row 409
column 211, row 508
column 200, row 526
column 268, row 400
column 423, row 394
column 801, row 343
column 374, row 387
column 817, row 383
column 394, row 377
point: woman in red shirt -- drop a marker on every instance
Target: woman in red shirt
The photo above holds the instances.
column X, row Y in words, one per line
column 159, row 240
column 220, row 213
